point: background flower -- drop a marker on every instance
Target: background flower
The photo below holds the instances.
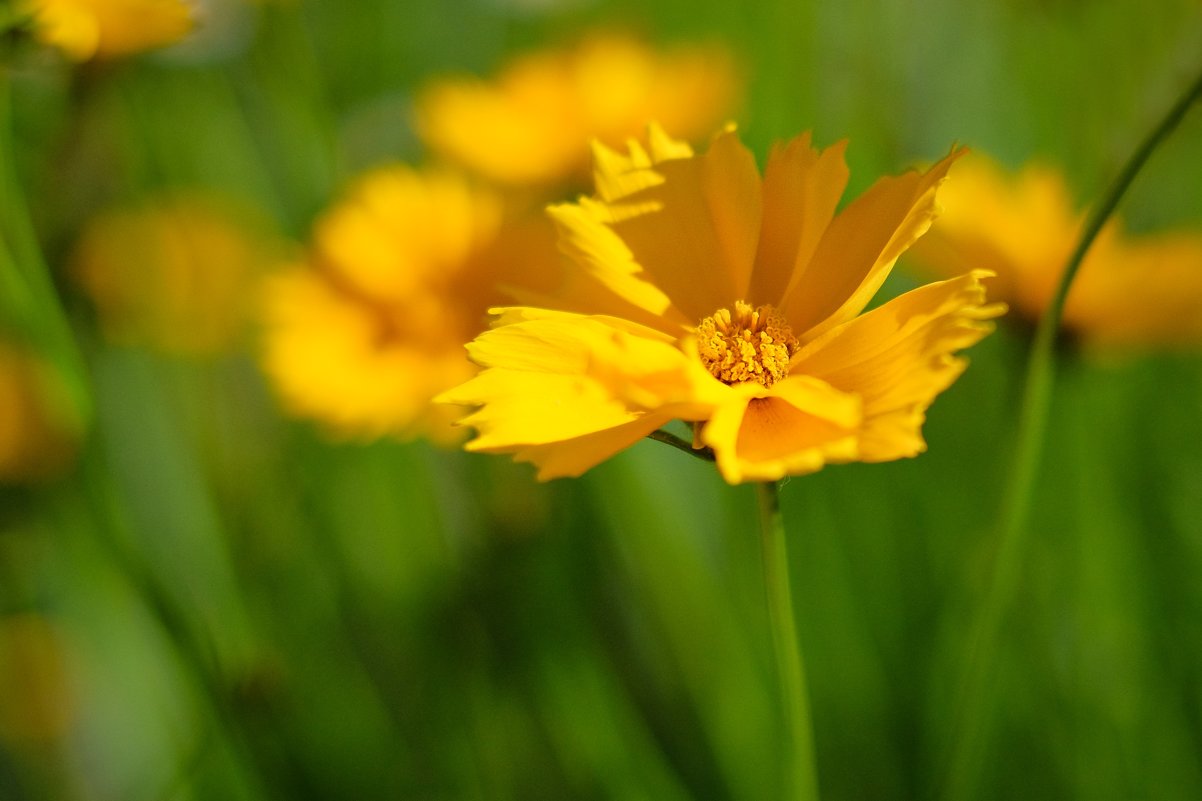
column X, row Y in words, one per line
column 86, row 29
column 38, row 434
column 176, row 273
column 1132, row 290
column 401, row 273
column 531, row 125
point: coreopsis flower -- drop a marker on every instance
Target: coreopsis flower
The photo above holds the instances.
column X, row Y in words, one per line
column 708, row 293
column 39, row 431
column 532, row 125
column 103, row 29
column 34, row 656
column 1130, row 290
column 176, row 274
column 401, row 273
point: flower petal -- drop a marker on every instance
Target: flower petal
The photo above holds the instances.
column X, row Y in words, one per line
column 334, row 359
column 802, row 187
column 617, row 175
column 1022, row 227
column 608, row 279
column 525, row 407
column 796, row 427
column 1141, row 291
column 399, row 229
column 572, row 457
column 695, row 234
column 860, row 247
column 899, row 356
column 554, row 378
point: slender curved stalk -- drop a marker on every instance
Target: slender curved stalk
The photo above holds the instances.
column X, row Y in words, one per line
column 681, row 445
column 802, row 777
column 194, row 652
column 30, row 295
column 974, row 707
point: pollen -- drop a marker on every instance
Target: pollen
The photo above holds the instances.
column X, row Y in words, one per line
column 752, row 344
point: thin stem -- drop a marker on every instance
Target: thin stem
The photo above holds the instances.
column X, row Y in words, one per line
column 802, row 775
column 24, row 274
column 974, row 708
column 680, row 444
column 193, row 651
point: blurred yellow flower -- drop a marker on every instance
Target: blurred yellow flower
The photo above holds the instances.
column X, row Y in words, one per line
column 86, row 29
column 401, row 274
column 176, row 274
column 1141, row 291
column 709, row 294
column 38, row 432
column 533, row 124
column 34, row 658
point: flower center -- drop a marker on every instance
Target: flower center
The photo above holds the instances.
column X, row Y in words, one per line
column 748, row 345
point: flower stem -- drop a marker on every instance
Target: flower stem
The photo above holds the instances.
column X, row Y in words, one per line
column 193, row 650
column 29, row 295
column 680, row 444
column 974, row 705
column 802, row 778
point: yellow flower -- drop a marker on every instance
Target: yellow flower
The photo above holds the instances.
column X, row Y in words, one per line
column 1141, row 291
column 38, row 432
column 709, row 294
column 34, row 656
column 86, row 29
column 532, row 125
column 175, row 274
column 401, row 274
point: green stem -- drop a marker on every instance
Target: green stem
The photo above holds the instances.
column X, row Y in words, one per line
column 30, row 296
column 802, row 775
column 974, row 708
column 193, row 651
column 676, row 442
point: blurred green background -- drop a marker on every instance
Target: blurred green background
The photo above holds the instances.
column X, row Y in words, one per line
column 216, row 602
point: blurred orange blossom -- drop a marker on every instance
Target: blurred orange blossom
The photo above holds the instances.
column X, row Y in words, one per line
column 364, row 332
column 86, row 29
column 532, row 125
column 39, row 431
column 175, row 273
column 1143, row 291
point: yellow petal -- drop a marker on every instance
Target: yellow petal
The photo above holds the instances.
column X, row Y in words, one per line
column 519, row 408
column 552, row 375
column 532, row 125
column 639, row 366
column 109, row 29
column 574, row 456
column 1022, row 227
column 173, row 274
column 39, row 429
column 802, row 187
column 617, row 175
column 334, row 359
column 607, row 279
column 1144, row 291
column 554, row 341
column 663, row 147
column 860, row 247
column 532, row 129
column 796, row 427
column 899, row 356
column 698, row 244
column 1130, row 291
column 398, row 230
